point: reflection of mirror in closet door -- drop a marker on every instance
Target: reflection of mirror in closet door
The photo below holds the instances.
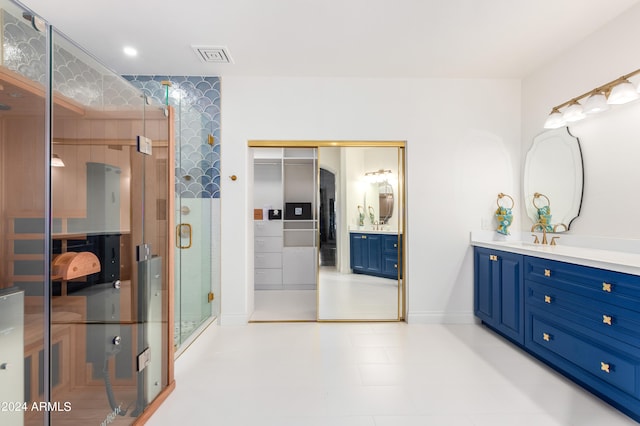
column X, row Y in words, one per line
column 360, row 253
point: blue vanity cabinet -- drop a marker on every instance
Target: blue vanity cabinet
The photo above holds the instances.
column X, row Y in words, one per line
column 365, row 253
column 498, row 295
column 585, row 322
column 375, row 254
column 582, row 321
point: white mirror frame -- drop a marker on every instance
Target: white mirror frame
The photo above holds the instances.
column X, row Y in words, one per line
column 553, row 167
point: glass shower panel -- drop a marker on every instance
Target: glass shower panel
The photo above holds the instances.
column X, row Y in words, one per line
column 153, row 273
column 194, row 210
column 109, row 268
column 23, row 221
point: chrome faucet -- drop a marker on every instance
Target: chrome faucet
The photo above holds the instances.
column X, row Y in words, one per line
column 544, row 231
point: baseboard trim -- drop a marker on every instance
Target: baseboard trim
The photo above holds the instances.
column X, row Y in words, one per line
column 233, row 319
column 434, row 317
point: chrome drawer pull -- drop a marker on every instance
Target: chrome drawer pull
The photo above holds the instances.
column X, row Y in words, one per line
column 547, row 272
column 547, row 299
column 546, row 337
column 606, row 319
column 606, row 287
column 605, row 367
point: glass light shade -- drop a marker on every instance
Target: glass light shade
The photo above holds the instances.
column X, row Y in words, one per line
column 595, row 103
column 623, row 93
column 56, row 161
column 573, row 113
column 555, row 120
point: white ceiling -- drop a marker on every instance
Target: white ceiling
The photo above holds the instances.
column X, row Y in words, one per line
column 363, row 38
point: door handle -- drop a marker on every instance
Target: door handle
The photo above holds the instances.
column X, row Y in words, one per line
column 183, row 230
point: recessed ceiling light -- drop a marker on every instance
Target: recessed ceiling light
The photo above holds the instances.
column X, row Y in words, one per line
column 130, row 51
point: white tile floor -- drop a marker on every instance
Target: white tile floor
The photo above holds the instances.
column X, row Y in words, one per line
column 284, row 305
column 370, row 374
column 356, row 296
column 341, row 297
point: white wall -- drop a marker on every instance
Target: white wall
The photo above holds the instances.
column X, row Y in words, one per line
column 463, row 148
column 610, row 141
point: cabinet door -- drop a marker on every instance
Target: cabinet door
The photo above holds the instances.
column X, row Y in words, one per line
column 298, row 267
column 483, row 286
column 509, row 291
column 359, row 252
column 373, row 247
column 499, row 291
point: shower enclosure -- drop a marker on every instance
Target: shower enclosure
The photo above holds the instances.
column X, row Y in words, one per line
column 196, row 101
column 197, row 201
column 85, row 235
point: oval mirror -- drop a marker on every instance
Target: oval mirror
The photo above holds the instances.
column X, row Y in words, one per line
column 385, row 204
column 553, row 179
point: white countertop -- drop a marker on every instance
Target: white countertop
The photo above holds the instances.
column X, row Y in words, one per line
column 373, row 231
column 627, row 261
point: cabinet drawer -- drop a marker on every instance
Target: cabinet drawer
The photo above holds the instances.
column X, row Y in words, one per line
column 268, row 276
column 606, row 286
column 390, row 244
column 267, row 228
column 390, row 266
column 610, row 320
column 268, row 260
column 268, row 244
column 615, row 368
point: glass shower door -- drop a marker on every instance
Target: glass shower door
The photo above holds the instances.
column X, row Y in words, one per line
column 196, row 302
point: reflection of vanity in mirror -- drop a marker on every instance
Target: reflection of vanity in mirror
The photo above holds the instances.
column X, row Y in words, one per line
column 553, row 180
column 365, row 282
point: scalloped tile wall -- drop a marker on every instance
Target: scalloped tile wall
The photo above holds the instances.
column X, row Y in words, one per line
column 197, row 103
column 75, row 75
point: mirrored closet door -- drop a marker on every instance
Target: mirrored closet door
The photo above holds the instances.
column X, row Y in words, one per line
column 328, row 231
column 361, row 221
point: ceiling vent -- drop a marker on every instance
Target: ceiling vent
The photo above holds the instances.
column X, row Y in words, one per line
column 213, row 54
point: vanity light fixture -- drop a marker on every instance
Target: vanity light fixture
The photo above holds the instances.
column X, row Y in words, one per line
column 380, row 175
column 616, row 92
column 573, row 112
column 554, row 120
column 623, row 93
column 595, row 103
column 56, row 161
